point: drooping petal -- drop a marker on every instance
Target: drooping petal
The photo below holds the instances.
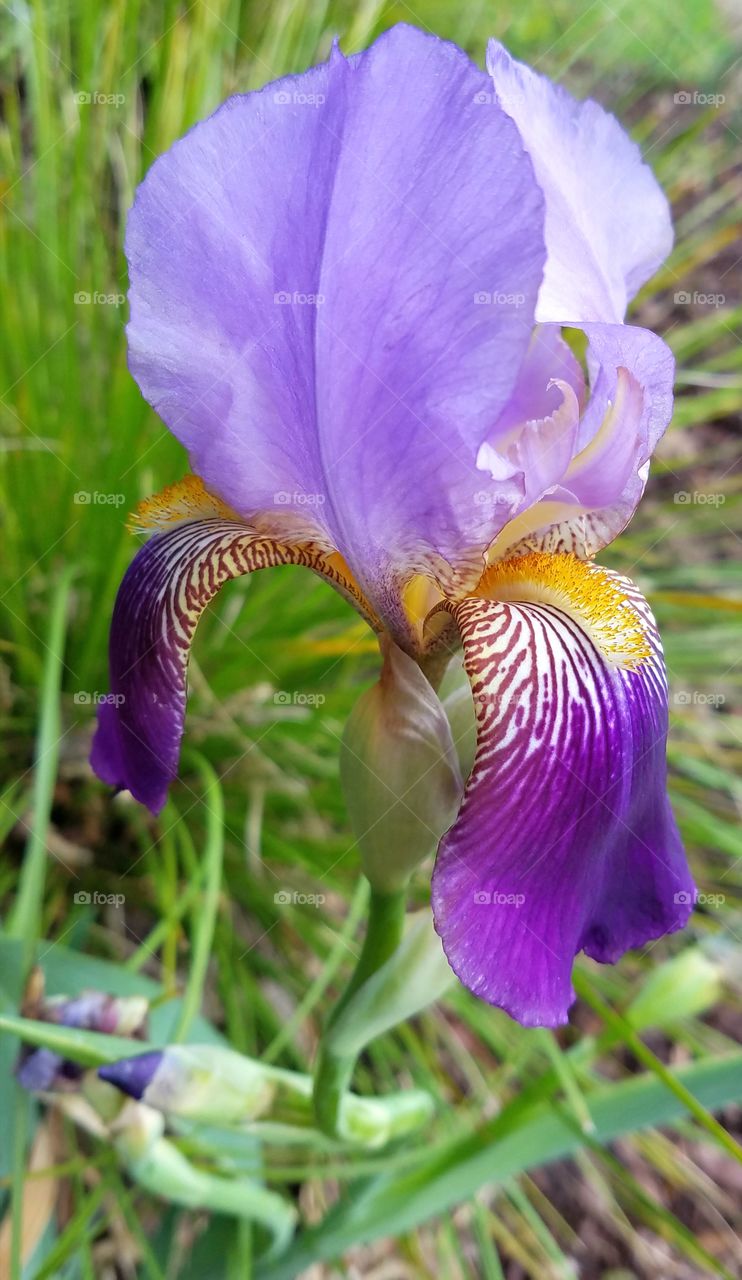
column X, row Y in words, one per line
column 628, row 410
column 307, row 273
column 163, row 594
column 607, row 221
column 565, row 840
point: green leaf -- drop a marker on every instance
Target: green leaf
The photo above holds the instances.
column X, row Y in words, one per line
column 443, row 1178
column 415, row 976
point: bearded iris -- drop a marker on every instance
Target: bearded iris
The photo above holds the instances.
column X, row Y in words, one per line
column 349, row 296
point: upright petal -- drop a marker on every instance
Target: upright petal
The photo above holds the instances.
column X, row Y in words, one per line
column 164, row 592
column 307, row 274
column 607, row 221
column 565, row 840
column 630, row 406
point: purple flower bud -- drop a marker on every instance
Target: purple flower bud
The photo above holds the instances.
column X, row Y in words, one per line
column 132, row 1075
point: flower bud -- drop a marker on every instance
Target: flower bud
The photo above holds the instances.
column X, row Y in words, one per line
column 683, row 987
column 399, row 771
column 212, row 1082
column 42, row 1070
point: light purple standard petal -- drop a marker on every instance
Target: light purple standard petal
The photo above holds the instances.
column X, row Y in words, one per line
column 607, row 221
column 307, row 273
column 565, row 840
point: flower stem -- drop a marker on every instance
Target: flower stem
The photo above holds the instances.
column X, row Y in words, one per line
column 333, row 1072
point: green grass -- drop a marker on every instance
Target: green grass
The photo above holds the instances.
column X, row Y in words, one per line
column 201, row 881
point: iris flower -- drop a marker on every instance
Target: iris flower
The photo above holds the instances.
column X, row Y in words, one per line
column 349, row 292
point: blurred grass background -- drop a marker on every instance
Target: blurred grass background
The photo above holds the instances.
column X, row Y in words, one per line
column 73, row 426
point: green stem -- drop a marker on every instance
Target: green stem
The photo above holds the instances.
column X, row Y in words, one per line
column 25, row 916
column 333, row 1072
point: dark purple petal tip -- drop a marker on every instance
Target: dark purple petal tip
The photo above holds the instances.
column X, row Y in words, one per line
column 132, row 1075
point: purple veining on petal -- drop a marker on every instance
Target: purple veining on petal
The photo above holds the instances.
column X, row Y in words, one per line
column 565, row 840
column 164, row 591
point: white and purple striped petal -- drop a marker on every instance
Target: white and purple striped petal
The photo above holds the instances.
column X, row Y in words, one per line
column 164, row 592
column 565, row 841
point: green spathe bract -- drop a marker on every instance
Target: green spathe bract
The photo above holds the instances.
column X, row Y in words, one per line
column 399, row 771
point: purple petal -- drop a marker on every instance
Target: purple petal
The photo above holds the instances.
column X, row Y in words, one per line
column 39, row 1071
column 565, row 840
column 607, row 221
column 548, row 359
column 132, row 1075
column 597, row 493
column 164, row 592
column 392, row 190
